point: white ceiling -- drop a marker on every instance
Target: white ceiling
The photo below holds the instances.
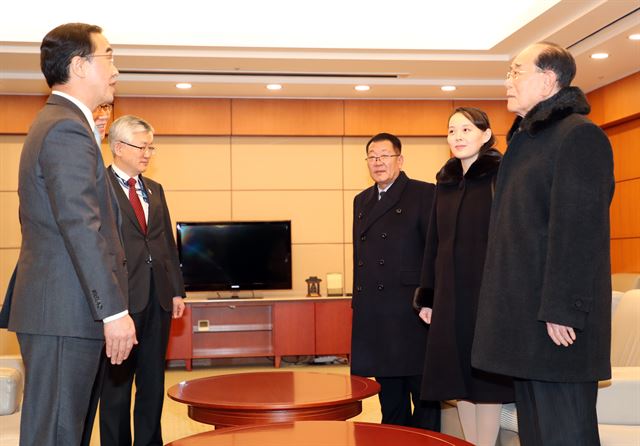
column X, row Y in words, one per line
column 404, row 53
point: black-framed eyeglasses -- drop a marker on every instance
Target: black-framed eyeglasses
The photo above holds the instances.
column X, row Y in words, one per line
column 151, row 149
column 383, row 158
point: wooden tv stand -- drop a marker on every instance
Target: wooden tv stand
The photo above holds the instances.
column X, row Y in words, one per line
column 269, row 326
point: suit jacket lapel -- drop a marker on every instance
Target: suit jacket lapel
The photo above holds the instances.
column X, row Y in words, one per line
column 391, row 198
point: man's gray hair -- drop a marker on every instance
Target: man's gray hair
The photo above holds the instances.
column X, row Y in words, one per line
column 124, row 127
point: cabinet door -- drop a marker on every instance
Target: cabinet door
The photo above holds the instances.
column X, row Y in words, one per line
column 293, row 328
column 333, row 327
column 179, row 346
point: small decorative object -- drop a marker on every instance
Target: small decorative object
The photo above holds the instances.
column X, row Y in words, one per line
column 313, row 286
column 334, row 284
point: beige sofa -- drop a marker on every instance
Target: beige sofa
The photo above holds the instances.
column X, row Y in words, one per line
column 11, row 385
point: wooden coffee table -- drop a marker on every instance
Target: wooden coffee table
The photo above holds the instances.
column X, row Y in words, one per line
column 273, row 397
column 320, row 433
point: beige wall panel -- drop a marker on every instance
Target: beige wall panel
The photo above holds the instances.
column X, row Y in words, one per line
column 316, row 216
column 314, row 260
column 348, row 262
column 8, row 259
column 356, row 173
column 198, row 206
column 10, row 148
column 423, row 158
column 286, row 163
column 9, row 223
column 349, row 195
column 192, row 163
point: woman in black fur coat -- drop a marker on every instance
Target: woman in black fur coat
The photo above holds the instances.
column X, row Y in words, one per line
column 452, row 270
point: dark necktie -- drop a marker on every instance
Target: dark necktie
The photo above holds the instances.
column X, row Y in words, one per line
column 380, row 194
column 135, row 203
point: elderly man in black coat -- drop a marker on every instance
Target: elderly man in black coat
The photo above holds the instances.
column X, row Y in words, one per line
column 389, row 230
column 544, row 312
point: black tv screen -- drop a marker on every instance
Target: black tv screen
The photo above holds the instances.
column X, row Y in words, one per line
column 238, row 255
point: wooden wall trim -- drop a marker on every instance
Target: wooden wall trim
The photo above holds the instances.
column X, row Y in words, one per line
column 179, row 116
column 17, row 113
column 616, row 102
column 300, row 117
column 403, row 118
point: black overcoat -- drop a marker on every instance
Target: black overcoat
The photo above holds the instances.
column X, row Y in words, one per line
column 388, row 337
column 450, row 283
column 548, row 253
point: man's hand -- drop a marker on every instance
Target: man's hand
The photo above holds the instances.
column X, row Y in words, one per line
column 425, row 314
column 561, row 334
column 178, row 307
column 120, row 337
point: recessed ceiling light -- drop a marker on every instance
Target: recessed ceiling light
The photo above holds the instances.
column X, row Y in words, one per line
column 183, row 85
column 362, row 88
column 448, row 88
column 274, row 87
column 634, row 36
column 599, row 55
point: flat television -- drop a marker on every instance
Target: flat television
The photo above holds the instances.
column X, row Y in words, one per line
column 235, row 255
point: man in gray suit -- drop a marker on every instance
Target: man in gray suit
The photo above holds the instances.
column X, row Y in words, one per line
column 68, row 294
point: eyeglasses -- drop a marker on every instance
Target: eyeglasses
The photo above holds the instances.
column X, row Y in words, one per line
column 151, row 149
column 109, row 56
column 105, row 108
column 515, row 74
column 383, row 158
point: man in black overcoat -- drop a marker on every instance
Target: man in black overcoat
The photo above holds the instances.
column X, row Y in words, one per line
column 544, row 313
column 390, row 222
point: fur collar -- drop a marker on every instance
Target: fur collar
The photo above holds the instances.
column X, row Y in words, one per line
column 567, row 101
column 486, row 165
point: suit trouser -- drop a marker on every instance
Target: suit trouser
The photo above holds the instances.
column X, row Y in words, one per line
column 60, row 372
column 556, row 414
column 396, row 395
column 147, row 364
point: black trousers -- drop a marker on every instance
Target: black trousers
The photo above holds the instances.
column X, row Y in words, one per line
column 557, row 414
column 396, row 395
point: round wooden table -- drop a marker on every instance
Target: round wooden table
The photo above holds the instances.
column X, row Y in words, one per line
column 273, row 397
column 321, row 433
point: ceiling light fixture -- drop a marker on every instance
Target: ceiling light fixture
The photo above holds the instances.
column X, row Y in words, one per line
column 362, row 88
column 183, row 85
column 599, row 55
column 634, row 36
column 448, row 88
column 274, row 87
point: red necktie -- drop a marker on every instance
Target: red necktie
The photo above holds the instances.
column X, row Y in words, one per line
column 135, row 203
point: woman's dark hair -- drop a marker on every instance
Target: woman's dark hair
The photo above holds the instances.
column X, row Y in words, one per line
column 557, row 59
column 61, row 45
column 480, row 120
column 393, row 139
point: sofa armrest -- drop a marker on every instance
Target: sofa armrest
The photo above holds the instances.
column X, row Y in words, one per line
column 618, row 398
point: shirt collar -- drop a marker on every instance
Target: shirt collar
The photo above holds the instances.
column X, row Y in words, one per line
column 386, row 188
column 123, row 176
column 83, row 108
